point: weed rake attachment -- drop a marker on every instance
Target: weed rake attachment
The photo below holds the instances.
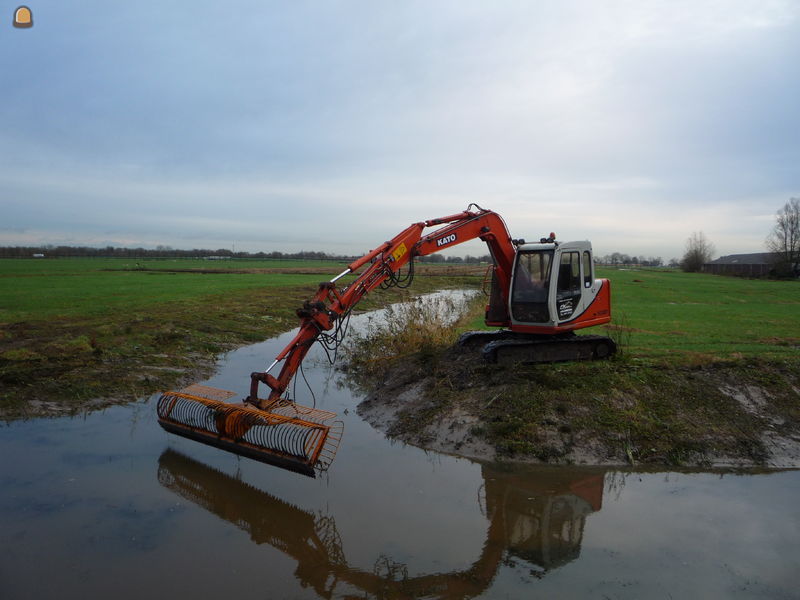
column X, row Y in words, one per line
column 286, row 435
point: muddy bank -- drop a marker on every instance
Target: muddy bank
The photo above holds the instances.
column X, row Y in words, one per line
column 148, row 380
column 734, row 414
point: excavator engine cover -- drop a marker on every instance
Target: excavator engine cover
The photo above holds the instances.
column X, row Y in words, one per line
column 294, row 437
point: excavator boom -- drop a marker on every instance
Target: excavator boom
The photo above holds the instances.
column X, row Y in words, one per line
column 330, row 304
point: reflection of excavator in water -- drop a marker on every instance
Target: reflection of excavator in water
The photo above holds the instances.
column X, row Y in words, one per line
column 540, row 294
column 538, row 519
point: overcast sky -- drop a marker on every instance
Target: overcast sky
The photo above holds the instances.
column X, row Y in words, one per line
column 331, row 125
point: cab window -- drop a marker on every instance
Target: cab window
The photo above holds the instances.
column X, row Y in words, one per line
column 531, row 284
column 568, row 290
column 569, row 273
column 588, row 279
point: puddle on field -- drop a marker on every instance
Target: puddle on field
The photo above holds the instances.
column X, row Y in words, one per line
column 111, row 504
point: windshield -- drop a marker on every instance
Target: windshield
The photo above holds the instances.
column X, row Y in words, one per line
column 531, row 286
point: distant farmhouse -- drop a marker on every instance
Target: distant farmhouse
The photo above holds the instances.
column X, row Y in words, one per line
column 743, row 265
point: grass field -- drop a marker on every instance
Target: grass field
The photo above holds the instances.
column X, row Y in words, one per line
column 697, row 317
column 74, row 330
column 79, row 332
column 45, row 289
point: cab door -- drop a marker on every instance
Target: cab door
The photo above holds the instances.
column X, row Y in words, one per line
column 575, row 285
column 569, row 284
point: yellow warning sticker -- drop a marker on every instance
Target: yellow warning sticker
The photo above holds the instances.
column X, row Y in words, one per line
column 400, row 251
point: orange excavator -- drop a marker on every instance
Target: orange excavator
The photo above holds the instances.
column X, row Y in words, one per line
column 540, row 294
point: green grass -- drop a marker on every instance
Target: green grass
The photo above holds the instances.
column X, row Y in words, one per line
column 673, row 314
column 46, row 289
column 98, row 293
column 693, row 317
column 28, row 267
column 73, row 331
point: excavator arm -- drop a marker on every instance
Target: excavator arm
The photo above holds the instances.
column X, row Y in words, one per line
column 330, row 304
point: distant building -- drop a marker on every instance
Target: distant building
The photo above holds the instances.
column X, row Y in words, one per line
column 743, row 265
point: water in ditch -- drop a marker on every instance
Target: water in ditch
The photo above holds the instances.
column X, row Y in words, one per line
column 109, row 504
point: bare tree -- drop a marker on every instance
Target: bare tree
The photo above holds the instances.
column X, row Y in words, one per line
column 784, row 240
column 698, row 252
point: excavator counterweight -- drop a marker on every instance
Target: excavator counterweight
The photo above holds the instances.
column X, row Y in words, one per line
column 541, row 293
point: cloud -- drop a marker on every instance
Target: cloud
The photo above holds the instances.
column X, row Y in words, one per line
column 625, row 122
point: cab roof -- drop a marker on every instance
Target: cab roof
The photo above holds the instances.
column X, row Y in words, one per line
column 578, row 245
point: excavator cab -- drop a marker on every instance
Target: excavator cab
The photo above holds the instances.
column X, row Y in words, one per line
column 552, row 292
column 553, row 288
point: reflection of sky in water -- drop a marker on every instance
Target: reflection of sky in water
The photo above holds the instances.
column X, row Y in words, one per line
column 82, row 513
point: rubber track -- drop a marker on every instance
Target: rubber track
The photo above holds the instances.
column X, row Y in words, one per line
column 508, row 347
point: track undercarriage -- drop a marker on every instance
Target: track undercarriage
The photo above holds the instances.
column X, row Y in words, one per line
column 507, row 347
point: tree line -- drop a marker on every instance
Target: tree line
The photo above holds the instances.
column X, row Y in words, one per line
column 52, row 251
column 616, row 259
